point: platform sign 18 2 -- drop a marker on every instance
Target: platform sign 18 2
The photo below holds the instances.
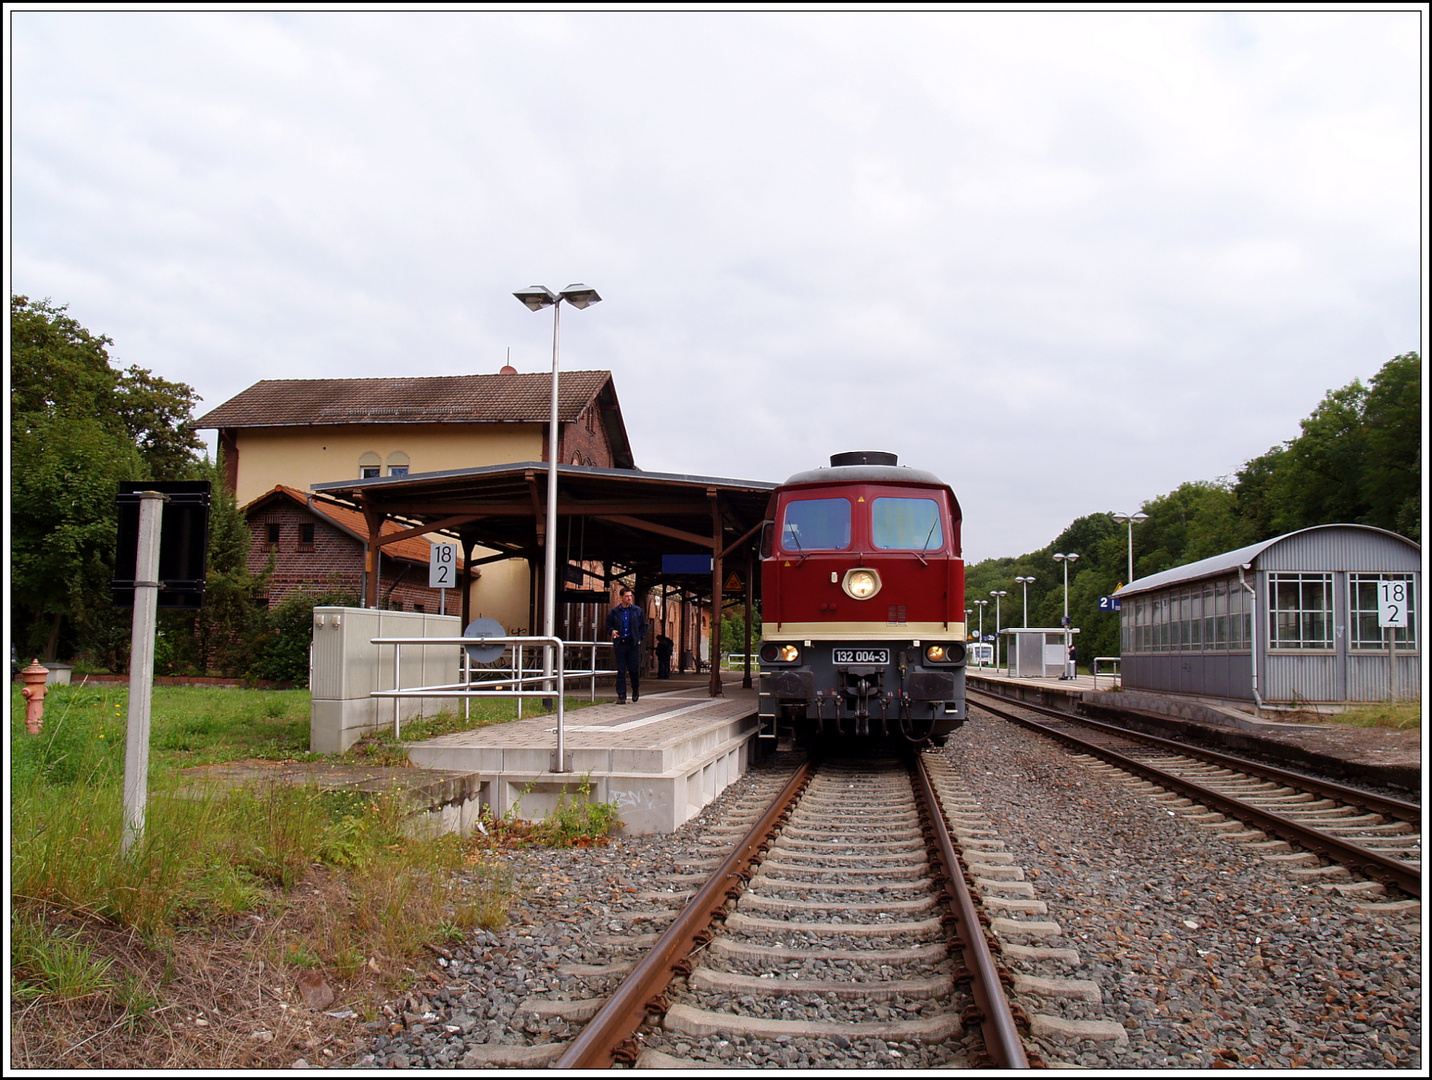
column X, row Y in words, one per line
column 1393, row 600
column 442, row 567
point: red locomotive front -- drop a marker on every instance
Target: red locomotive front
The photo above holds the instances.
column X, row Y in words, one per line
column 862, row 606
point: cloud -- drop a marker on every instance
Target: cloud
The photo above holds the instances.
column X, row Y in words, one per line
column 1063, row 259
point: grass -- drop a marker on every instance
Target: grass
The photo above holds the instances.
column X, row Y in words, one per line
column 1399, row 716
column 228, row 897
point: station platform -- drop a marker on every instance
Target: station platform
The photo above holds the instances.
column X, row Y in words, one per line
column 1370, row 755
column 660, row 759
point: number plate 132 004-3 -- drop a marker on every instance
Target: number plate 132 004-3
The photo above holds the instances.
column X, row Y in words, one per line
column 860, row 656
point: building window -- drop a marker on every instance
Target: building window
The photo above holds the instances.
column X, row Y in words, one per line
column 1363, row 604
column 1301, row 611
column 397, row 470
column 271, row 529
column 367, row 472
column 398, row 463
column 369, row 465
column 305, row 537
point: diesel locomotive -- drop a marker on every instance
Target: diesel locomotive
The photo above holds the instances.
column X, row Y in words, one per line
column 862, row 606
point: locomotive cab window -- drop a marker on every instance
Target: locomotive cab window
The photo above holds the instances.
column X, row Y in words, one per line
column 906, row 524
column 816, row 525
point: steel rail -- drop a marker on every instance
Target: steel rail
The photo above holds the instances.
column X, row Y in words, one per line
column 617, row 1021
column 1382, row 804
column 1374, row 864
column 997, row 1024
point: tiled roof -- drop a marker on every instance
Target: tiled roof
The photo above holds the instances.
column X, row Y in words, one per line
column 415, row 549
column 522, row 397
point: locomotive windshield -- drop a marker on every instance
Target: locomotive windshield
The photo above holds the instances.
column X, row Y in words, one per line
column 816, row 525
column 906, row 524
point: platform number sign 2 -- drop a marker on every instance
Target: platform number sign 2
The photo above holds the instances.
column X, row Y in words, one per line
column 442, row 567
column 1393, row 600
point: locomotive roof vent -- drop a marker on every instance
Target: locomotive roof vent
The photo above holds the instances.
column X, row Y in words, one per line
column 864, row 457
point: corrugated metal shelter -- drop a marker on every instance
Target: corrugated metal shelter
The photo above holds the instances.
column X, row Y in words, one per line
column 1287, row 621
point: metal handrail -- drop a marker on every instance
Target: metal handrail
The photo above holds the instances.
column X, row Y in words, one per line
column 518, row 679
column 1118, row 675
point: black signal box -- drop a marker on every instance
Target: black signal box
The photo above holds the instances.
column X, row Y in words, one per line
column 183, row 542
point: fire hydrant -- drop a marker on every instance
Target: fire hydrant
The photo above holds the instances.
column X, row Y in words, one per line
column 34, row 693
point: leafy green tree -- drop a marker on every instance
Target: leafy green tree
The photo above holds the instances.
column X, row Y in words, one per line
column 78, row 427
column 1392, row 471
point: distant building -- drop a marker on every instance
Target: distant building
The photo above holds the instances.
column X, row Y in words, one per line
column 1287, row 621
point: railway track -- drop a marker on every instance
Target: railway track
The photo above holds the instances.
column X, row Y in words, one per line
column 844, row 915
column 1272, row 810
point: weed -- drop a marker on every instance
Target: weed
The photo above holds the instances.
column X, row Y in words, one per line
column 54, row 964
column 301, row 956
column 569, row 824
column 1399, row 716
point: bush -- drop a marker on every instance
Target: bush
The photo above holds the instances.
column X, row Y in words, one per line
column 282, row 649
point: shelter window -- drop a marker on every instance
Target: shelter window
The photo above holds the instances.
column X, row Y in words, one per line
column 906, row 524
column 1363, row 604
column 1302, row 611
column 816, row 525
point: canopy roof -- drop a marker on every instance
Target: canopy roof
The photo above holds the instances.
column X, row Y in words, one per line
column 624, row 518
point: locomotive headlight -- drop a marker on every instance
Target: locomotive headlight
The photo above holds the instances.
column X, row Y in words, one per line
column 953, row 653
column 774, row 653
column 861, row 584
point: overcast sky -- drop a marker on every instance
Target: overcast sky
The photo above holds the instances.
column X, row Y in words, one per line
column 1066, row 260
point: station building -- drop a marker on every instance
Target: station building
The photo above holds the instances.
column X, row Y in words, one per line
column 1288, row 621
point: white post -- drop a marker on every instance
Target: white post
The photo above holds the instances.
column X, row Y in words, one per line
column 549, row 608
column 141, row 666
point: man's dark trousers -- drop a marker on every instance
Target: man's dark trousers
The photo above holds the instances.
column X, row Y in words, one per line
column 628, row 660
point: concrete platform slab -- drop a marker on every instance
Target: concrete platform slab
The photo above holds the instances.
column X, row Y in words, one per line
column 660, row 759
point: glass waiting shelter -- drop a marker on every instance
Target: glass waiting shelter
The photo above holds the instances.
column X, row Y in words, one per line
column 1038, row 652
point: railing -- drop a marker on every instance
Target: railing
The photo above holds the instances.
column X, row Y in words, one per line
column 737, row 661
column 514, row 681
column 1116, row 674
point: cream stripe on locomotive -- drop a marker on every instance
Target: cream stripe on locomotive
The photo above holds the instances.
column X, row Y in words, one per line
column 875, row 631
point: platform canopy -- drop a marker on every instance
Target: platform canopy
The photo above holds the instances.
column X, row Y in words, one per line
column 624, row 518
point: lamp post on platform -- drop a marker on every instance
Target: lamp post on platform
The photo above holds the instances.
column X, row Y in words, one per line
column 981, row 604
column 1066, row 560
column 536, row 298
column 997, row 593
column 1025, row 581
column 1131, row 520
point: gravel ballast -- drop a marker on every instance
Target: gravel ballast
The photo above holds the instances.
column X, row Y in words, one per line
column 1205, row 954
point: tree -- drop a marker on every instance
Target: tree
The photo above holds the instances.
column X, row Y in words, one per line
column 78, row 427
column 1392, row 471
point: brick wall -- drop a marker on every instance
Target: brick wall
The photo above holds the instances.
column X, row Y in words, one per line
column 586, row 440
column 334, row 560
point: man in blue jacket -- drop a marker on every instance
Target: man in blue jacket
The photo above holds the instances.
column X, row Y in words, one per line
column 627, row 624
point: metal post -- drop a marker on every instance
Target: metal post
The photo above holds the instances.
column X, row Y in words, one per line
column 141, row 665
column 549, row 606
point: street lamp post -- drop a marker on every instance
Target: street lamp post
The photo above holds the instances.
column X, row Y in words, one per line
column 997, row 594
column 981, row 604
column 536, row 298
column 1066, row 560
column 1131, row 520
column 1025, row 581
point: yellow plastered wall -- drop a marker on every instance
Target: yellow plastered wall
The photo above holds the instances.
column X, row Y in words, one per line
column 299, row 457
column 302, row 456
